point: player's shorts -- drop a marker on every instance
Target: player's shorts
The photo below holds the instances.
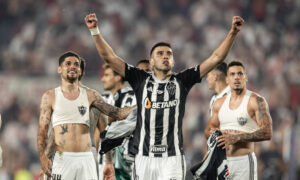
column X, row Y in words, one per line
column 159, row 168
column 94, row 151
column 74, row 165
column 242, row 167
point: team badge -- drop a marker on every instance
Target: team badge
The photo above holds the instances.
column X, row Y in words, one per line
column 171, row 87
column 82, row 110
column 241, row 120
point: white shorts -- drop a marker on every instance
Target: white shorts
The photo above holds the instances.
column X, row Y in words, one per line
column 159, row 168
column 74, row 166
column 242, row 167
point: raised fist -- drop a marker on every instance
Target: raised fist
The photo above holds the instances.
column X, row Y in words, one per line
column 237, row 23
column 91, row 21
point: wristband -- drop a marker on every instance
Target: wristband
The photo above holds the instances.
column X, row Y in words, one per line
column 94, row 31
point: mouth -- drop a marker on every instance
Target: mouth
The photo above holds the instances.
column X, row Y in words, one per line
column 237, row 83
column 72, row 72
column 166, row 63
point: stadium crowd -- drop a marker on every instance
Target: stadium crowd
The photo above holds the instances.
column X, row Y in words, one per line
column 35, row 33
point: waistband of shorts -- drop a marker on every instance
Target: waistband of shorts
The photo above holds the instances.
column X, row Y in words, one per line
column 74, row 154
column 243, row 157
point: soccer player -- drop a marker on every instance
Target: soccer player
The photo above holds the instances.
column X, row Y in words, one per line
column 67, row 106
column 244, row 118
column 118, row 95
column 161, row 97
column 98, row 123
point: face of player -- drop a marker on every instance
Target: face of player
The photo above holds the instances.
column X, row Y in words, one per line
column 70, row 69
column 109, row 79
column 162, row 59
column 236, row 78
column 144, row 66
column 211, row 79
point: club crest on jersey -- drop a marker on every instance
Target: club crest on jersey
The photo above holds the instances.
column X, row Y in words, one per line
column 82, row 110
column 242, row 120
column 171, row 87
column 158, row 149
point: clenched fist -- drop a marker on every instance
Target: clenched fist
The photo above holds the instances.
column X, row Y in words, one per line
column 237, row 23
column 91, row 21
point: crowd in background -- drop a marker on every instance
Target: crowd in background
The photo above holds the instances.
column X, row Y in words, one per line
column 35, row 33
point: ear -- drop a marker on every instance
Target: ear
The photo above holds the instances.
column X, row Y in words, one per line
column 246, row 77
column 227, row 81
column 59, row 69
column 151, row 62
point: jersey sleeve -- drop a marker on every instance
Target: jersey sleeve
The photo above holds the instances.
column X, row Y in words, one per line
column 190, row 76
column 134, row 76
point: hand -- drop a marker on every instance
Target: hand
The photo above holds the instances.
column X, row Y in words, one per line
column 227, row 139
column 237, row 23
column 91, row 21
column 46, row 165
column 108, row 172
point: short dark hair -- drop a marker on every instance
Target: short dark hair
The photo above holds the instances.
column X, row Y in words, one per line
column 159, row 44
column 143, row 61
column 82, row 67
column 107, row 66
column 222, row 68
column 235, row 63
column 63, row 57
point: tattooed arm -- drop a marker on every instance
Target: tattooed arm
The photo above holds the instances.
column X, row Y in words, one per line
column 45, row 117
column 107, row 109
column 50, row 145
column 264, row 121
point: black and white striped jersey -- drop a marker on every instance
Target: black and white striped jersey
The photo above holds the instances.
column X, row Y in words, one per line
column 161, row 106
column 122, row 98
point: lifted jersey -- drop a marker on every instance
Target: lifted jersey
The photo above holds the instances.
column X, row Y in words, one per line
column 70, row 111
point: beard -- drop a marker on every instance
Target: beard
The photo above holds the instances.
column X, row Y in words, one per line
column 238, row 90
column 72, row 79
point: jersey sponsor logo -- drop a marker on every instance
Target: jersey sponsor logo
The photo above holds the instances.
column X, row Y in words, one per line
column 160, row 105
column 56, row 176
column 242, row 120
column 171, row 87
column 82, row 110
column 158, row 149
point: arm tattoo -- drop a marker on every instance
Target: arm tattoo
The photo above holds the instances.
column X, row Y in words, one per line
column 64, row 129
column 264, row 122
column 50, row 146
column 44, row 121
column 108, row 109
column 109, row 157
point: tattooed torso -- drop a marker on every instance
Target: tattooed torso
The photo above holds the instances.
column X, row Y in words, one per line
column 72, row 138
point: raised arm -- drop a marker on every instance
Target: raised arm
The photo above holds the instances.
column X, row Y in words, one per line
column 45, row 117
column 222, row 50
column 107, row 109
column 103, row 48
